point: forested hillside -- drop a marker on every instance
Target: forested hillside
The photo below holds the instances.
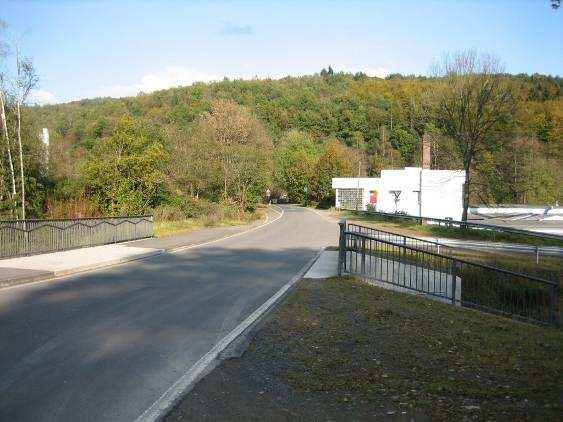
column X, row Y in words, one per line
column 181, row 151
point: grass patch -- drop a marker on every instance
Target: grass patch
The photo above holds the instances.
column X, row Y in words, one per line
column 412, row 228
column 365, row 346
column 168, row 228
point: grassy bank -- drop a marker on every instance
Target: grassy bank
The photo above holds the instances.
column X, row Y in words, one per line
column 169, row 227
column 343, row 350
column 412, row 228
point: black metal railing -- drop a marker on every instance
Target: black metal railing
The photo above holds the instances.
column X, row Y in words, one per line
column 427, row 245
column 28, row 237
column 467, row 224
column 404, row 267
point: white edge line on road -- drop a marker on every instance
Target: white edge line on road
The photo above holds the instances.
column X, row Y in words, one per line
column 155, row 252
column 164, row 404
column 268, row 222
column 320, row 214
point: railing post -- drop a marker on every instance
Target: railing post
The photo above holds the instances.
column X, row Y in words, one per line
column 453, row 273
column 552, row 304
column 26, row 238
column 341, row 245
column 537, row 254
column 363, row 269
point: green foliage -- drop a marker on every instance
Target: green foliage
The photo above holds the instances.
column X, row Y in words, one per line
column 124, row 174
column 406, row 143
column 237, row 153
column 295, row 159
column 335, row 161
column 379, row 120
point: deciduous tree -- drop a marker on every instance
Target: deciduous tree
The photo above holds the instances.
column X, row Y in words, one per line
column 472, row 99
column 125, row 172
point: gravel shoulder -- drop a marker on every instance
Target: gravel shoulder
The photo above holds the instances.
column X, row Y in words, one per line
column 339, row 349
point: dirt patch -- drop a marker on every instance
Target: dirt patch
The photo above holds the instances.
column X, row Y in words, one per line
column 342, row 350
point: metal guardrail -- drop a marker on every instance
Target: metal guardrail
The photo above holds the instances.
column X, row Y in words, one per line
column 468, row 224
column 446, row 278
column 28, row 237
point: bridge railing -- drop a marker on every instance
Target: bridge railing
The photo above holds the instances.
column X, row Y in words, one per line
column 418, row 269
column 427, row 245
column 28, row 237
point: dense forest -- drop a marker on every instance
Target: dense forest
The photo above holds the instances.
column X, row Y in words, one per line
column 217, row 147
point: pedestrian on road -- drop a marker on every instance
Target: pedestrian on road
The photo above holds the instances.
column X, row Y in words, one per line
column 268, row 193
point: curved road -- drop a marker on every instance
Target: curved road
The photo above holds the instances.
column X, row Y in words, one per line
column 105, row 345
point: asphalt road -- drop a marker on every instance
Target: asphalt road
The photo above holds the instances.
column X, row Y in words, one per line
column 105, row 345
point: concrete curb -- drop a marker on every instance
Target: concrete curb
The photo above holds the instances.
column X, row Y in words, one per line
column 237, row 338
column 84, row 268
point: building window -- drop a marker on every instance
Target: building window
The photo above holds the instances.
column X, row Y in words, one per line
column 351, row 199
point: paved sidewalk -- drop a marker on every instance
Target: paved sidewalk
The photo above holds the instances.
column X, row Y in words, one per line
column 32, row 268
column 27, row 269
column 325, row 266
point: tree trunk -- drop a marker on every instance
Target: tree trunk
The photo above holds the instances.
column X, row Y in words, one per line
column 21, row 159
column 8, row 149
column 465, row 197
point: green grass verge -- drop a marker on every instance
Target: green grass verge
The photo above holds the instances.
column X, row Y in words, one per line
column 361, row 344
column 168, row 228
column 412, row 228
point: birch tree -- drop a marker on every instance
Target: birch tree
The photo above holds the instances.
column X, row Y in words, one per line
column 3, row 119
column 26, row 80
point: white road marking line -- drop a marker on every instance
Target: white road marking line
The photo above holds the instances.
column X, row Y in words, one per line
column 324, row 217
column 160, row 408
column 184, row 248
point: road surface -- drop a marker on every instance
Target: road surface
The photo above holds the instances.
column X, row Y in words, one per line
column 105, row 345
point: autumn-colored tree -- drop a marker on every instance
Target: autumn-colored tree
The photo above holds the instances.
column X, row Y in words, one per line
column 472, row 99
column 239, row 149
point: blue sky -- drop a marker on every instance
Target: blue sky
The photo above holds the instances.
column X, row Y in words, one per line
column 115, row 48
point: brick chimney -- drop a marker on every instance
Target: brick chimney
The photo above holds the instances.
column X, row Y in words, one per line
column 426, row 153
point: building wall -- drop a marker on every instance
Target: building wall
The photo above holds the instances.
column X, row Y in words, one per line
column 366, row 184
column 441, row 197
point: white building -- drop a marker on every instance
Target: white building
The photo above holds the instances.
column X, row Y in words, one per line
column 44, row 137
column 413, row 190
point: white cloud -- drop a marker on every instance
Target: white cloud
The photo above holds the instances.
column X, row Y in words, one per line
column 379, row 72
column 231, row 29
column 42, row 96
column 172, row 76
